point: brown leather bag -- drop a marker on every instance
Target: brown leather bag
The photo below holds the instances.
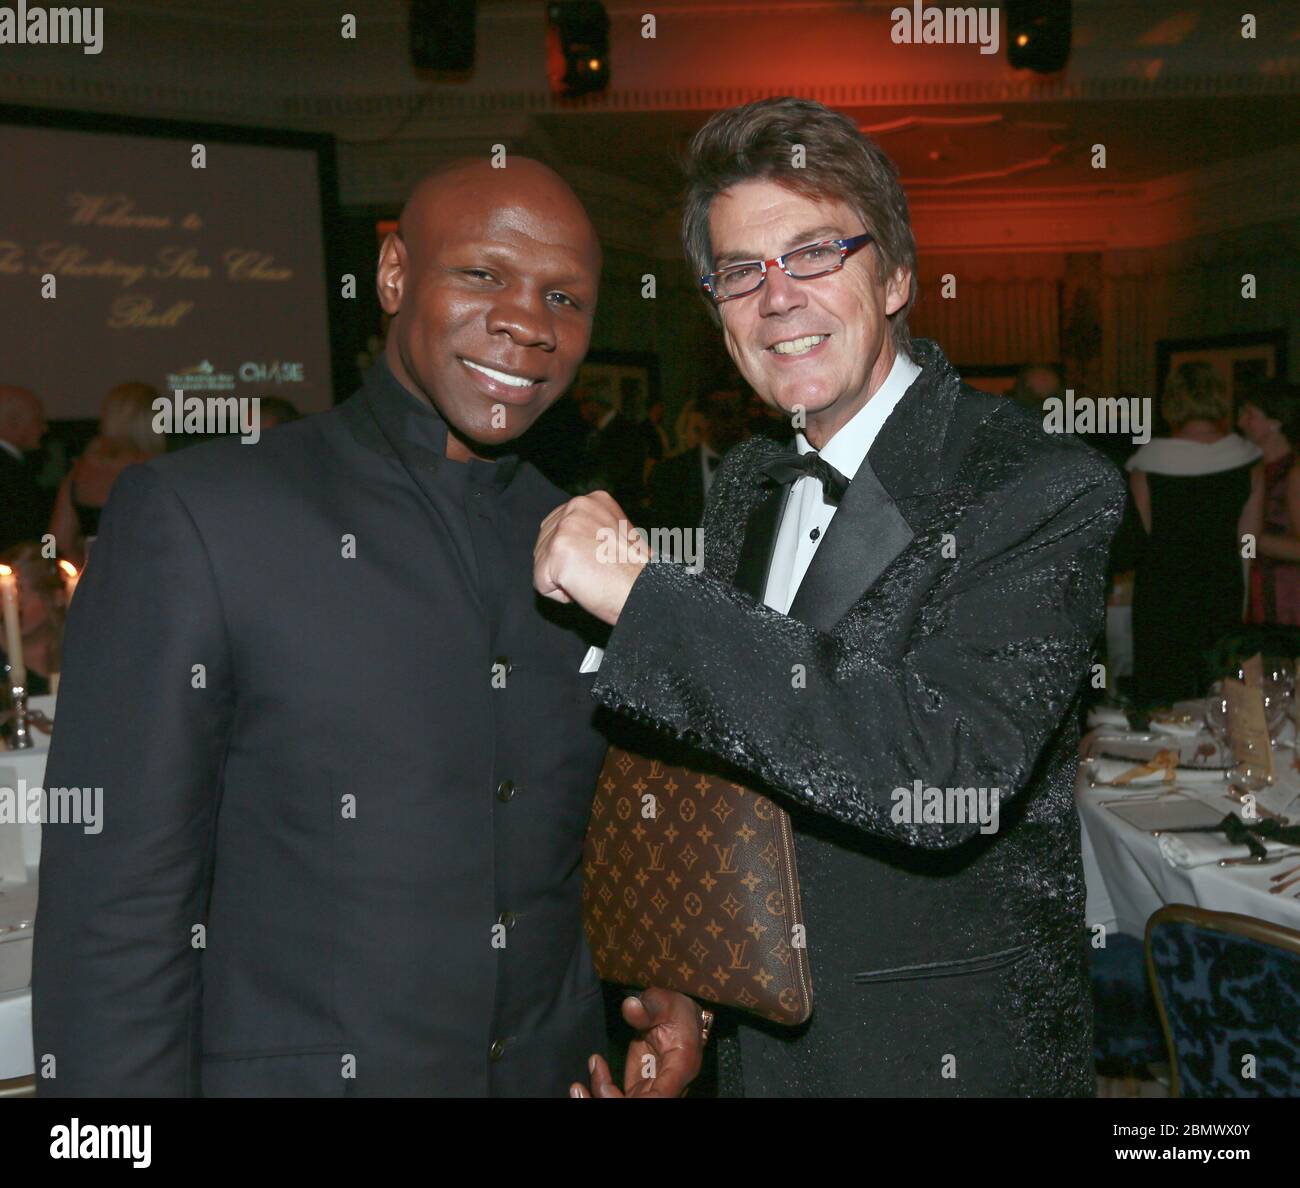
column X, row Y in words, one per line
column 691, row 885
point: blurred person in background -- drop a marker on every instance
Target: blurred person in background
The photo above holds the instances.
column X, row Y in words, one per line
column 1035, row 382
column 656, row 436
column 23, row 506
column 762, row 419
column 1270, row 418
column 616, row 453
column 276, row 410
column 1198, row 492
column 41, row 604
column 126, row 436
column 679, row 485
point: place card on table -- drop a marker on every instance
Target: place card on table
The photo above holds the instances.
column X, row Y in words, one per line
column 1252, row 671
column 1248, row 726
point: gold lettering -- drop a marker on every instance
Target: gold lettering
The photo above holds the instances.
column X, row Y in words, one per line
column 135, row 311
column 247, row 264
column 112, row 210
column 181, row 263
column 71, row 259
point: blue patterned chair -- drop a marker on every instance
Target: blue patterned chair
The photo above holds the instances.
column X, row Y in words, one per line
column 1127, row 1038
column 1228, row 989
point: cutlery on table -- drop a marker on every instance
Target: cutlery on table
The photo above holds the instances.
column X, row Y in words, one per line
column 1255, row 860
column 1295, row 878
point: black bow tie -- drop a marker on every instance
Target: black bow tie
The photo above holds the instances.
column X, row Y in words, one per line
column 813, row 465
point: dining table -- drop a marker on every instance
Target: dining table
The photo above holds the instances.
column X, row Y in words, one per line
column 1149, row 827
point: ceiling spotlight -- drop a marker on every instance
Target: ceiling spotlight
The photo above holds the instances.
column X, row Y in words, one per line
column 1038, row 34
column 577, row 47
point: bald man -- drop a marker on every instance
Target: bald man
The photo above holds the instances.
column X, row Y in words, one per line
column 346, row 753
column 24, row 509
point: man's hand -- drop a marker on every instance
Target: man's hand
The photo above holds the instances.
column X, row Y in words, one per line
column 664, row 1058
column 587, row 552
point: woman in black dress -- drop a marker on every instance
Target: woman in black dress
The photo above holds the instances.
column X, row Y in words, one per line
column 1199, row 492
column 126, row 436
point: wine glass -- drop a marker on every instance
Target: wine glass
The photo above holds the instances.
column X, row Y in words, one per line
column 1216, row 715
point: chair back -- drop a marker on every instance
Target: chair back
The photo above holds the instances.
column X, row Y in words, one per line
column 1228, row 991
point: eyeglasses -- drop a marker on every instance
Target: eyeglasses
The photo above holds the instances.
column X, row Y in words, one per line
column 816, row 259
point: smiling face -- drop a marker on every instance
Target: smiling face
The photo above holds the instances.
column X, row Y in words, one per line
column 822, row 345
column 492, row 285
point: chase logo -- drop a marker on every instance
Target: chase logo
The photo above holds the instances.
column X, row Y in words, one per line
column 275, row 372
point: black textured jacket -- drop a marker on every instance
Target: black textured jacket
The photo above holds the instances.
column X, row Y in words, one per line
column 944, row 628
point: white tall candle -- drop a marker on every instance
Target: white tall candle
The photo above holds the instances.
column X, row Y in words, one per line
column 70, row 579
column 13, row 631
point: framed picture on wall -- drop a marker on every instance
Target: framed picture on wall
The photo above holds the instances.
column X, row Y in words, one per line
column 626, row 380
column 1240, row 359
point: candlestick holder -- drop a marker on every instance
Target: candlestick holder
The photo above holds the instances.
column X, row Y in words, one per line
column 21, row 738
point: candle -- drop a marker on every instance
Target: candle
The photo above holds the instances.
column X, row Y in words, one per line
column 13, row 633
column 70, row 579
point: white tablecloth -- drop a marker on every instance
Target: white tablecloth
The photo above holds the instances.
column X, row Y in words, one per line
column 1128, row 879
column 18, row 903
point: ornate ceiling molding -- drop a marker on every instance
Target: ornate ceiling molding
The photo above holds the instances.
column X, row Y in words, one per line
column 311, row 110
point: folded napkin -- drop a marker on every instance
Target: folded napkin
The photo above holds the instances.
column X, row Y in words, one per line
column 1162, row 768
column 1187, row 850
column 1107, row 715
column 1177, row 729
column 1259, row 838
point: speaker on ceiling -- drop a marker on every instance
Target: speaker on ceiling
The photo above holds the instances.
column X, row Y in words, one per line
column 442, row 34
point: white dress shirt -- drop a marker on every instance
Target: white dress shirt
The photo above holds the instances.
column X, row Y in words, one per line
column 806, row 515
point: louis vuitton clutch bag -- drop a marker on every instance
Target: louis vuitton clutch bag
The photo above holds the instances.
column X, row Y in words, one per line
column 690, row 884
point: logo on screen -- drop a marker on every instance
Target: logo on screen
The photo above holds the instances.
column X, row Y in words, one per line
column 276, row 372
column 202, row 377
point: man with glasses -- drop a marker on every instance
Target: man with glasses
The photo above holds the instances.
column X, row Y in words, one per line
column 890, row 634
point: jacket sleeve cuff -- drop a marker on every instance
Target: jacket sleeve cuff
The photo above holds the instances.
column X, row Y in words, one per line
column 646, row 645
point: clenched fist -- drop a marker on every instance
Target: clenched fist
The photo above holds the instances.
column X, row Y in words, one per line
column 589, row 553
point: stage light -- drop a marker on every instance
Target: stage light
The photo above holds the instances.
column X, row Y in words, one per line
column 577, row 46
column 1038, row 34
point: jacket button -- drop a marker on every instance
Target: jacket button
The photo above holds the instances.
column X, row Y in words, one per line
column 497, row 1050
column 505, row 790
column 507, row 918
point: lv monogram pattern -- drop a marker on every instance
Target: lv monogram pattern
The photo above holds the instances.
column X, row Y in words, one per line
column 690, row 884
